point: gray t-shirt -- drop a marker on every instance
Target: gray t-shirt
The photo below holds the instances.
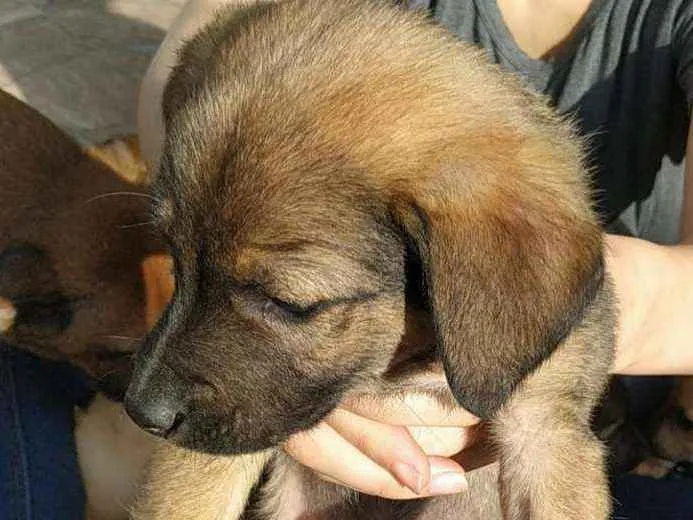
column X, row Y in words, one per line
column 626, row 75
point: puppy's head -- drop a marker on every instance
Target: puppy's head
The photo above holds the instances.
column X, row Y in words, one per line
column 314, row 152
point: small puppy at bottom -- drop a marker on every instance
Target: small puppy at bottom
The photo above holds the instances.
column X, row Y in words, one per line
column 671, row 435
column 673, row 432
column 336, row 172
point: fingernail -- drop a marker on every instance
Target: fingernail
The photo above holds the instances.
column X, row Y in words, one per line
column 447, row 483
column 409, row 476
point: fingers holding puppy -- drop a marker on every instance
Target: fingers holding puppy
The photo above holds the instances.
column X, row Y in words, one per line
column 394, row 460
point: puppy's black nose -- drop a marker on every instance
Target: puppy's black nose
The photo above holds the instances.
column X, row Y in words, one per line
column 155, row 417
column 156, row 400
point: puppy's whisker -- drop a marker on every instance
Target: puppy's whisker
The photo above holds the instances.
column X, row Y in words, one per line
column 119, row 194
column 137, row 224
column 121, row 338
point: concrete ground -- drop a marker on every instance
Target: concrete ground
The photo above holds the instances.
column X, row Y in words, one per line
column 80, row 62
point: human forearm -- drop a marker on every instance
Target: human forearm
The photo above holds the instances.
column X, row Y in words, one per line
column 654, row 287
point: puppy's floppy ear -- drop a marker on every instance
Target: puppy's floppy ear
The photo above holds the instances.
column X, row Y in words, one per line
column 509, row 269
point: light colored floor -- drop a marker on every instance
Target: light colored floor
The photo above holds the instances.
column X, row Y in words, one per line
column 80, row 62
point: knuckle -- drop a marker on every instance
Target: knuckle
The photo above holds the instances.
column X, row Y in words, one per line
column 401, row 435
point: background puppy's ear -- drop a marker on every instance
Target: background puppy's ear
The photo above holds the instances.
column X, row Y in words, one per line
column 508, row 267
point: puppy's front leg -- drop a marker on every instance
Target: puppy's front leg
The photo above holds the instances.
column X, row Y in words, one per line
column 187, row 485
column 552, row 465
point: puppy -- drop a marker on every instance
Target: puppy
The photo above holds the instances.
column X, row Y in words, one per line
column 626, row 439
column 73, row 239
column 671, row 434
column 81, row 278
column 331, row 167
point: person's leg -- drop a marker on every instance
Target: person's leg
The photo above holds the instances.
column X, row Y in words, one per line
column 644, row 498
column 39, row 475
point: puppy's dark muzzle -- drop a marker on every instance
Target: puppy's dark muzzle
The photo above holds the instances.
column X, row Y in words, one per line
column 157, row 400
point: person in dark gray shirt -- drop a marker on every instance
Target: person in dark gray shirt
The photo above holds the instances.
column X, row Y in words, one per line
column 624, row 75
column 622, row 70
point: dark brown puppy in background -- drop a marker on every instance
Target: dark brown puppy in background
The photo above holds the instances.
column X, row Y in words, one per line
column 76, row 275
column 329, row 167
column 73, row 237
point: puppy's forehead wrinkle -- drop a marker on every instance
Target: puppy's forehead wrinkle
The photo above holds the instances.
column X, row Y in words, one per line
column 315, row 270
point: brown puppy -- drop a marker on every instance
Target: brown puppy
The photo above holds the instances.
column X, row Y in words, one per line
column 73, row 237
column 81, row 279
column 330, row 166
column 672, row 437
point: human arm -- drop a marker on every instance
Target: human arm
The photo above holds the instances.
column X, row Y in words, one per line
column 654, row 285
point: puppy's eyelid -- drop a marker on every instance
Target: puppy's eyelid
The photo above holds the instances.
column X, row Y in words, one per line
column 305, row 311
column 259, row 290
column 294, row 309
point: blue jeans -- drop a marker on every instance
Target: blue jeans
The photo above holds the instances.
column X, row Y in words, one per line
column 39, row 475
column 642, row 498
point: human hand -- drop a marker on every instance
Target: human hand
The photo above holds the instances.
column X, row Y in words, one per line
column 395, row 447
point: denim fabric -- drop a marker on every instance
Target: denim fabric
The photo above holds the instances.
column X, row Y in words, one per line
column 39, row 475
column 642, row 498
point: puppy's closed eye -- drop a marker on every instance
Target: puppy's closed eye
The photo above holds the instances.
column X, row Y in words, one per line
column 278, row 307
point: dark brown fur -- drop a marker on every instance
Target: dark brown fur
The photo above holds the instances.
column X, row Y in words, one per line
column 73, row 235
column 318, row 154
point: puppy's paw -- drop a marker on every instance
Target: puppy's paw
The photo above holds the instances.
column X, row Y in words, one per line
column 653, row 467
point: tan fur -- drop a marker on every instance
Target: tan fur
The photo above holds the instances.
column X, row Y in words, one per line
column 547, row 444
column 213, row 487
column 295, row 124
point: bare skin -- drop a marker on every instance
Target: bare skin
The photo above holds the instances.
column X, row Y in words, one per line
column 420, row 449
